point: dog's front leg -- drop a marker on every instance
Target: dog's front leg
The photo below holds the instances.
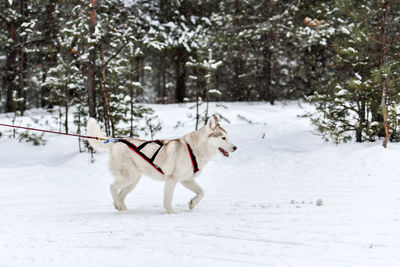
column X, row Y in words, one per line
column 169, row 188
column 195, row 187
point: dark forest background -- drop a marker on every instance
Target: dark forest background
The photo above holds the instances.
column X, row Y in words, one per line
column 101, row 58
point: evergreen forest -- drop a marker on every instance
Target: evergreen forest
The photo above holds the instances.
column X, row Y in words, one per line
column 106, row 58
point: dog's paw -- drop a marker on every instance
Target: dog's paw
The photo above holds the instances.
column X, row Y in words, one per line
column 193, row 203
column 120, row 206
column 170, row 211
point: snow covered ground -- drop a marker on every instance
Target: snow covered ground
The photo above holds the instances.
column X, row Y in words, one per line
column 259, row 208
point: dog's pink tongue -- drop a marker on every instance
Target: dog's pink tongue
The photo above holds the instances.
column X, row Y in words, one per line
column 224, row 152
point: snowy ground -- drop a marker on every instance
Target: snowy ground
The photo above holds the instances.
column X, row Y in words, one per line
column 259, row 208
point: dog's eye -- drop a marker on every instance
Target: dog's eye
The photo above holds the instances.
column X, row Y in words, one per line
column 224, row 138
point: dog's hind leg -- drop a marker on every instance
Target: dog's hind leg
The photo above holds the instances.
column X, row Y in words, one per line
column 114, row 189
column 121, row 188
column 193, row 186
column 124, row 191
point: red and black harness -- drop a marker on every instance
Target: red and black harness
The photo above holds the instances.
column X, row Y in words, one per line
column 138, row 151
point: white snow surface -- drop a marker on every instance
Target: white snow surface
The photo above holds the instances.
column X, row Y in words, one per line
column 259, row 208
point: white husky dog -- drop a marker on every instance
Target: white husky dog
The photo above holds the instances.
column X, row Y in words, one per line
column 172, row 161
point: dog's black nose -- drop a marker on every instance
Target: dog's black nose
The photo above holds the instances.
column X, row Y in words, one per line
column 234, row 148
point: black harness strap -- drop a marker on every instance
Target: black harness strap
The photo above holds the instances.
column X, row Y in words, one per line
column 138, row 148
column 143, row 145
column 193, row 159
column 155, row 154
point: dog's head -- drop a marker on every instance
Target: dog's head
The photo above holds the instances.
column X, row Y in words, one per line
column 218, row 137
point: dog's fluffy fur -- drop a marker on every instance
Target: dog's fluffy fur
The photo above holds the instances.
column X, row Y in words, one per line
column 127, row 167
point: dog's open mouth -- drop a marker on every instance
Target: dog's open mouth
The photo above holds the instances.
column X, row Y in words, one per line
column 224, row 152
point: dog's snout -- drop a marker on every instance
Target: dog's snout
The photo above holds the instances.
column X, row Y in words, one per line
column 234, row 148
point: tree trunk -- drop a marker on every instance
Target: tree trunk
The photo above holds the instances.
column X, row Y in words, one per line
column 272, row 93
column 21, row 103
column 92, row 63
column 384, row 47
column 207, row 87
column 164, row 95
column 239, row 84
column 132, row 99
column 131, row 109
column 198, row 89
column 10, row 68
column 161, row 81
column 105, row 93
column 359, row 134
column 267, row 57
column 180, row 71
column 50, row 59
column 361, row 118
column 66, row 108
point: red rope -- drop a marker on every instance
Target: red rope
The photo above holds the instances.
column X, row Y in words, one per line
column 46, row 131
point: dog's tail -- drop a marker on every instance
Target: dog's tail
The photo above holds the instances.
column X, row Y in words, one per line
column 93, row 129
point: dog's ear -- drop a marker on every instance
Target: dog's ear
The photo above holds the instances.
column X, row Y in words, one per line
column 212, row 122
column 216, row 119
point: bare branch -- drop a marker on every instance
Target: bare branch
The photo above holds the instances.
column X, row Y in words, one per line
column 30, row 42
column 113, row 56
column 4, row 18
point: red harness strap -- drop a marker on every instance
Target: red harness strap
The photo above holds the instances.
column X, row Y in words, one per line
column 193, row 159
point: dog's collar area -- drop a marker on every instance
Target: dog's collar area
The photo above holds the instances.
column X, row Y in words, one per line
column 192, row 158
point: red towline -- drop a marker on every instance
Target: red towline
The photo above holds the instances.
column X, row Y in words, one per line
column 53, row 132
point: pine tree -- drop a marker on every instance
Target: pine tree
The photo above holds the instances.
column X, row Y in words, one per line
column 352, row 103
column 203, row 69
